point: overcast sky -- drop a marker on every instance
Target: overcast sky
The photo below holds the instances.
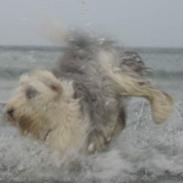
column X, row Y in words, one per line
column 134, row 22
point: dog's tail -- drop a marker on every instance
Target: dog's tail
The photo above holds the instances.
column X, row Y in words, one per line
column 131, row 84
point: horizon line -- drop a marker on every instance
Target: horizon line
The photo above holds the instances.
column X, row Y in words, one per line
column 57, row 48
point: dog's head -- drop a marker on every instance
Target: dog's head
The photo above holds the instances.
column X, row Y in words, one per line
column 34, row 101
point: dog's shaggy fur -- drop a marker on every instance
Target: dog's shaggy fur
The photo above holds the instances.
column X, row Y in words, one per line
column 81, row 104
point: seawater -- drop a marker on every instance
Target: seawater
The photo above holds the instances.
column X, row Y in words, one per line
column 143, row 153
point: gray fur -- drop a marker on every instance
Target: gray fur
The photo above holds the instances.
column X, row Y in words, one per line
column 80, row 64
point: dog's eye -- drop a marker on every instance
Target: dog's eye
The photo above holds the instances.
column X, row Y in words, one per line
column 31, row 92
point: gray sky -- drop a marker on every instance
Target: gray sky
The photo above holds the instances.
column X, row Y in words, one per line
column 134, row 22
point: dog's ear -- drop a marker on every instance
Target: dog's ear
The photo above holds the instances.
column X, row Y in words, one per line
column 161, row 105
column 56, row 87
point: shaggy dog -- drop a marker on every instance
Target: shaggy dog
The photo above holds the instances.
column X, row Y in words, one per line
column 81, row 103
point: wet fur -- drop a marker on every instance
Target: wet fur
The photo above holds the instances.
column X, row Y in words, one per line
column 102, row 76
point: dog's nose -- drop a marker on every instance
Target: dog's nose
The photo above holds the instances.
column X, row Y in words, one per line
column 10, row 112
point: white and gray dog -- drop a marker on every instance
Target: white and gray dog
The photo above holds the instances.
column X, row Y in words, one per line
column 81, row 103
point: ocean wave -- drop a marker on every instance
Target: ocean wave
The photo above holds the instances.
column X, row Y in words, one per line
column 143, row 153
column 12, row 73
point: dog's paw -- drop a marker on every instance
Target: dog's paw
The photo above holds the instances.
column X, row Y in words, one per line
column 97, row 141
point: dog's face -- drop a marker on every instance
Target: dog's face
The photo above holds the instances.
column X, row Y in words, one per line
column 37, row 94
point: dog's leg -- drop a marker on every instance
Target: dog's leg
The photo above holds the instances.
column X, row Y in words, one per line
column 131, row 84
column 101, row 134
column 127, row 85
column 96, row 141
